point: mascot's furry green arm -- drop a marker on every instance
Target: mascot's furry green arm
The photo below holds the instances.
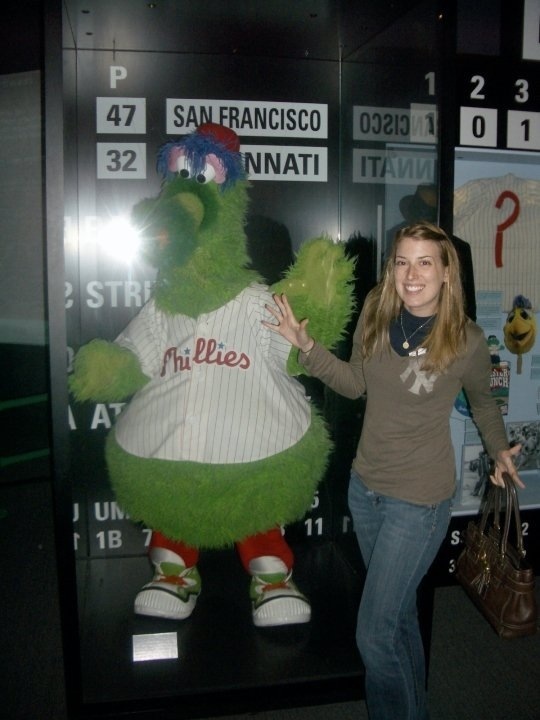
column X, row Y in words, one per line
column 194, row 234
column 319, row 287
column 105, row 372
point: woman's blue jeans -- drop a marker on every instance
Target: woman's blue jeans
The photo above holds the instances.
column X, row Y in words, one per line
column 398, row 541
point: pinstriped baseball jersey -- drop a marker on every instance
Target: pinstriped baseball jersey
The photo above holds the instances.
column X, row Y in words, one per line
column 504, row 258
column 218, row 390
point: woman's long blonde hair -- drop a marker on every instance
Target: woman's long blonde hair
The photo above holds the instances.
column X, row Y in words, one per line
column 447, row 338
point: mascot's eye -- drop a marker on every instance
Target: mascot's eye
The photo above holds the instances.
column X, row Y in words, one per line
column 207, row 174
column 182, row 166
column 525, row 315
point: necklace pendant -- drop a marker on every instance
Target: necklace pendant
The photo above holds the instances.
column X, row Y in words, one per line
column 405, row 345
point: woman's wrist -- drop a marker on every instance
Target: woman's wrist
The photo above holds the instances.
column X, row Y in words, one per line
column 308, row 347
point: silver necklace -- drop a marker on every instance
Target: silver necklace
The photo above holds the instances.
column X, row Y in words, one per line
column 406, row 345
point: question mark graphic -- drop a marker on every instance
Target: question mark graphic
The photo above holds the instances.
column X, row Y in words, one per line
column 501, row 227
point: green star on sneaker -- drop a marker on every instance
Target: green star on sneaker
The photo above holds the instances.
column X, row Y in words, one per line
column 172, row 592
column 276, row 600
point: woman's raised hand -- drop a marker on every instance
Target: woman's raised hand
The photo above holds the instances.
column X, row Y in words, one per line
column 287, row 325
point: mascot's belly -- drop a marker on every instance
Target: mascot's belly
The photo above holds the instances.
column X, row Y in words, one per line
column 214, row 505
column 218, row 390
column 213, row 416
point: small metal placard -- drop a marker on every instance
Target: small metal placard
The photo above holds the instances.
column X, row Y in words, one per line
column 155, row 646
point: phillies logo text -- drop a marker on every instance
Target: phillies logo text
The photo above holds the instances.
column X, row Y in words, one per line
column 206, row 352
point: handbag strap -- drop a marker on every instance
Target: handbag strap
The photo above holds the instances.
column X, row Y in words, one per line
column 497, row 507
column 512, row 508
column 493, row 504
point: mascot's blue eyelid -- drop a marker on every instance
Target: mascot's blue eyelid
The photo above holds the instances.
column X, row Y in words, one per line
column 196, row 148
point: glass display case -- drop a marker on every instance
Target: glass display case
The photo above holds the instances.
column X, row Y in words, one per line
column 338, row 112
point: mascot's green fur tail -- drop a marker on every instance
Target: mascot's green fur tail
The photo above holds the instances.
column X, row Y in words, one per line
column 214, row 506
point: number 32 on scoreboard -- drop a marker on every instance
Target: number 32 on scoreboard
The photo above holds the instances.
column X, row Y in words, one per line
column 121, row 161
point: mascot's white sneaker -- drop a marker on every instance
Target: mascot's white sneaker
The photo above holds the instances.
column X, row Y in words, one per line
column 174, row 589
column 275, row 599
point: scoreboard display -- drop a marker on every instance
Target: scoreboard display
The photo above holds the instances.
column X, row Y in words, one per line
column 499, row 106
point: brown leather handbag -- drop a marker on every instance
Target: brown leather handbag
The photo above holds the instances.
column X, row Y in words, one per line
column 493, row 572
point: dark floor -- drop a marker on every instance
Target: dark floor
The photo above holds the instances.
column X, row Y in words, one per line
column 473, row 676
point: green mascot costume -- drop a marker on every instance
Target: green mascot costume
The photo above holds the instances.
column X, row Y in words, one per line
column 218, row 444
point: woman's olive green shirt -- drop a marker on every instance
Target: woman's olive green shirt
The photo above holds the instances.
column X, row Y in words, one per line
column 405, row 449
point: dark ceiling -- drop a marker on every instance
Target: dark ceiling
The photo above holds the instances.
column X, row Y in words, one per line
column 316, row 29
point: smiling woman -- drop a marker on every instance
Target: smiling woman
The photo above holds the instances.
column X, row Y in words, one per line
column 414, row 349
column 421, row 279
column 419, row 275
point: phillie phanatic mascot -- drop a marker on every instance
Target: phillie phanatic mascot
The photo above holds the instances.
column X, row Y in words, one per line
column 218, row 444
